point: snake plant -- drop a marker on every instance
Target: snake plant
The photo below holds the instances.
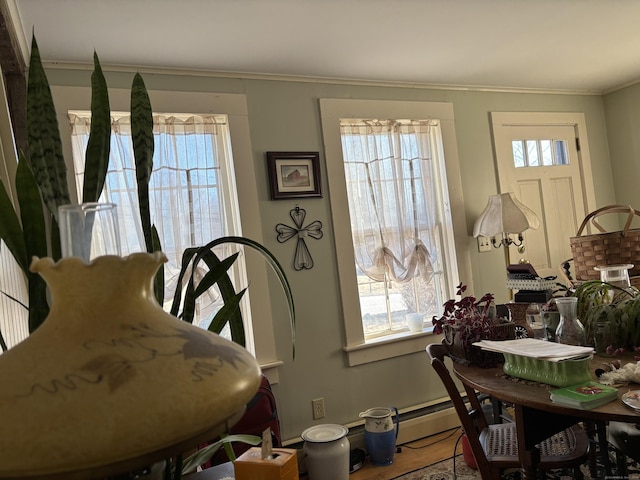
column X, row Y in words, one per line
column 41, row 186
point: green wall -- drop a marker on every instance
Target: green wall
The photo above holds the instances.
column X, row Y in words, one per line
column 622, row 117
column 284, row 116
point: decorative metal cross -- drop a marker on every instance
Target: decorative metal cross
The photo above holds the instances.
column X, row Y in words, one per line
column 302, row 258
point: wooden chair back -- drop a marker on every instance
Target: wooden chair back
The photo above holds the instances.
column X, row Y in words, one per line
column 471, row 418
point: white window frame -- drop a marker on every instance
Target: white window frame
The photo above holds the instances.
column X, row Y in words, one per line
column 358, row 349
column 235, row 107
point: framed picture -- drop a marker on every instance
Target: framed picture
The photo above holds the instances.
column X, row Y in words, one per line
column 294, row 174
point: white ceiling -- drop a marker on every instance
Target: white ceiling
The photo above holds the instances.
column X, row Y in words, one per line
column 587, row 45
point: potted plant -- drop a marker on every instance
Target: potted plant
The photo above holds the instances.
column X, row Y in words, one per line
column 466, row 320
column 610, row 315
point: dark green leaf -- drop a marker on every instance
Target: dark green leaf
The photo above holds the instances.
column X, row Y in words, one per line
column 99, row 145
column 230, row 313
column 187, row 256
column 43, row 135
column 191, row 257
column 204, row 454
column 11, row 230
column 142, row 137
column 38, row 305
column 33, row 223
column 158, row 285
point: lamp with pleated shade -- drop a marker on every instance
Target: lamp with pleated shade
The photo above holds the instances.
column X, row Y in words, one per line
column 505, row 215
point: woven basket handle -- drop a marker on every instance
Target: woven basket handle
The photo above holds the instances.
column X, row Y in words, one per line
column 609, row 209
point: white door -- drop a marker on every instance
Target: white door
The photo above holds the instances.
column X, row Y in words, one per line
column 543, row 159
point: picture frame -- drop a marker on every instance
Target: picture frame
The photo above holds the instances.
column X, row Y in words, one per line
column 294, row 174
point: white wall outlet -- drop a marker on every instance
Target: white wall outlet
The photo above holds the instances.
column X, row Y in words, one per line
column 484, row 244
column 318, row 408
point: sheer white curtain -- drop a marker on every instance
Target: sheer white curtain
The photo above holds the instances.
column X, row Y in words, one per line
column 392, row 194
column 189, row 187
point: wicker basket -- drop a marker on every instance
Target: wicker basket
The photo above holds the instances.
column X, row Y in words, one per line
column 606, row 248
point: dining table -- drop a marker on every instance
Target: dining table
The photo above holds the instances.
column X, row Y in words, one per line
column 536, row 416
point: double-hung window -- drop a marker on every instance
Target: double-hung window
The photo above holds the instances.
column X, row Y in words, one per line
column 192, row 191
column 391, row 203
column 393, row 172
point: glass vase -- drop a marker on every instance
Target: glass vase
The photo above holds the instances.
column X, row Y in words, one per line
column 570, row 330
column 89, row 230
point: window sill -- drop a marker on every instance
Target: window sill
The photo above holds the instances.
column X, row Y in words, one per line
column 389, row 346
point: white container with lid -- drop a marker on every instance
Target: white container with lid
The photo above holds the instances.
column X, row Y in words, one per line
column 326, row 450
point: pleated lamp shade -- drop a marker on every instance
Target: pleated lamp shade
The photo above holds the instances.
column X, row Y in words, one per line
column 504, row 213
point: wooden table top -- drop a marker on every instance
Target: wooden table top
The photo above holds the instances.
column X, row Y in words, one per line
column 495, row 382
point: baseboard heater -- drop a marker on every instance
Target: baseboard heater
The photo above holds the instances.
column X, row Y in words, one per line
column 415, row 423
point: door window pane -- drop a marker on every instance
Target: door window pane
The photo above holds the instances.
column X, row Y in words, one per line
column 537, row 153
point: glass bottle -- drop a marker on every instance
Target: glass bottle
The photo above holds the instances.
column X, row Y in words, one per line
column 534, row 320
column 570, row 330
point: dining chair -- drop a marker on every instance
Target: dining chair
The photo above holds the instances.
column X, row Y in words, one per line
column 495, row 447
column 625, row 437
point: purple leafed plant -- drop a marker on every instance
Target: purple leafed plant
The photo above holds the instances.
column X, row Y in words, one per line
column 472, row 318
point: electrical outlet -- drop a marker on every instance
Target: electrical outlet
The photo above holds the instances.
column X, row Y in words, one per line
column 318, row 408
column 484, row 244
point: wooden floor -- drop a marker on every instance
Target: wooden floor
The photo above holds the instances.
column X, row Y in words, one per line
column 413, row 456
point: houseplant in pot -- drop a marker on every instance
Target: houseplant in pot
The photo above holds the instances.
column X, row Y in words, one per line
column 610, row 315
column 466, row 320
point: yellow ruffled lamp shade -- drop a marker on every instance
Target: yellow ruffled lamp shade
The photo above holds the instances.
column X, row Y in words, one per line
column 110, row 382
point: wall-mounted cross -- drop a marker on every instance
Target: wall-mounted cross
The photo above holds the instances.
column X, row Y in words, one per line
column 302, row 258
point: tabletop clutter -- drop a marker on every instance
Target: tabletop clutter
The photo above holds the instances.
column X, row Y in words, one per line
column 559, row 365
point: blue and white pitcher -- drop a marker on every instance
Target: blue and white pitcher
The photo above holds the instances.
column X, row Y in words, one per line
column 380, row 434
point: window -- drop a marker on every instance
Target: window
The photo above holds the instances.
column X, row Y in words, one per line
column 234, row 108
column 192, row 190
column 14, row 316
column 539, row 153
column 394, row 172
column 393, row 182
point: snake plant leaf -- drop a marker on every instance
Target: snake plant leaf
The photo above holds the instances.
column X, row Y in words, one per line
column 272, row 261
column 38, row 305
column 35, row 240
column 187, row 256
column 216, row 274
column 43, row 135
column 3, row 343
column 142, row 138
column 31, row 212
column 158, row 282
column 194, row 255
column 230, row 313
column 99, row 144
column 56, row 247
column 201, row 456
column 11, row 230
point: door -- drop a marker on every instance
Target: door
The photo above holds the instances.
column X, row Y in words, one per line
column 543, row 159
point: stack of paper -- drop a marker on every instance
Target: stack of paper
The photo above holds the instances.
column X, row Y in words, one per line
column 586, row 395
column 536, row 348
